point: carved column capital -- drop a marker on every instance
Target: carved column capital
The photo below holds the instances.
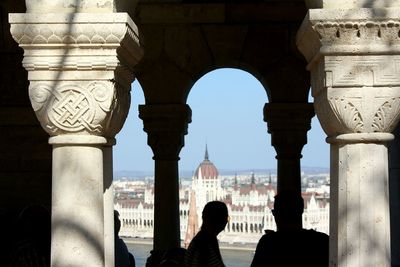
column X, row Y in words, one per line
column 166, row 126
column 288, row 124
column 354, row 59
column 80, row 69
column 363, row 31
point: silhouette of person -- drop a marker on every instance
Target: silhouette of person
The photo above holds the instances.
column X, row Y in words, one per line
column 33, row 247
column 291, row 245
column 203, row 250
column 122, row 256
column 172, row 257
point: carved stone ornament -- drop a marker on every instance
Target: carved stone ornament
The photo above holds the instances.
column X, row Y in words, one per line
column 355, row 68
column 80, row 68
column 349, row 31
column 76, row 41
column 358, row 110
column 77, row 108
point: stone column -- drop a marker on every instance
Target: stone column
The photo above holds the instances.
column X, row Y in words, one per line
column 108, row 198
column 80, row 72
column 166, row 126
column 354, row 60
column 288, row 124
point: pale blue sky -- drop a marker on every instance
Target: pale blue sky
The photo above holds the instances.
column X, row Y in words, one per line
column 227, row 113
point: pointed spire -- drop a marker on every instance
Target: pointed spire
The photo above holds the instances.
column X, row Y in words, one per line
column 206, row 154
column 253, row 179
column 235, row 186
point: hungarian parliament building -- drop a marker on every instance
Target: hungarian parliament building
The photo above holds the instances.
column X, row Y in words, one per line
column 249, row 206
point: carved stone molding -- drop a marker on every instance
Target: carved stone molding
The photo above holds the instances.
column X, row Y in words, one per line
column 166, row 126
column 358, row 110
column 80, row 68
column 349, row 32
column 354, row 59
column 355, row 71
column 76, row 41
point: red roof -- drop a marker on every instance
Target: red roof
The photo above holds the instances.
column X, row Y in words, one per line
column 207, row 169
column 262, row 189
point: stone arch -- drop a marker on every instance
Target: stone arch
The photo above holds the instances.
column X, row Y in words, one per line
column 247, row 47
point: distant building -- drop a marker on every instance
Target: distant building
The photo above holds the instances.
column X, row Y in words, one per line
column 249, row 208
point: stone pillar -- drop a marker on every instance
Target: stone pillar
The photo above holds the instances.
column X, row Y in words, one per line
column 354, row 60
column 166, row 126
column 108, row 198
column 288, row 124
column 80, row 72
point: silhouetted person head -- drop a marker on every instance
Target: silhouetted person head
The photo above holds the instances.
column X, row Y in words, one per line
column 288, row 210
column 291, row 245
column 215, row 217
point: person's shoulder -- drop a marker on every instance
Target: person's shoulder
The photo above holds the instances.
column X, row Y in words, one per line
column 268, row 236
column 269, row 233
column 316, row 236
column 200, row 239
column 316, row 233
column 200, row 236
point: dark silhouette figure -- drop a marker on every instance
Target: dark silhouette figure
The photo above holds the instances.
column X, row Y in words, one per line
column 32, row 248
column 291, row 245
column 166, row 258
column 122, row 256
column 203, row 250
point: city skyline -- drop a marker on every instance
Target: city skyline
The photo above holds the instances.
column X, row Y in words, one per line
column 227, row 115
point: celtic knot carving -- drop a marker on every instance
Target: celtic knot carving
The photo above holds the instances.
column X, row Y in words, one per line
column 70, row 108
column 348, row 115
column 386, row 117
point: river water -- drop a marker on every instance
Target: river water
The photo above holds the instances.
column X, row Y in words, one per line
column 231, row 257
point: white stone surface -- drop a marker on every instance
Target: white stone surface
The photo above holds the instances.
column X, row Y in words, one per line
column 108, row 197
column 80, row 72
column 362, row 215
column 349, row 32
column 77, row 206
column 354, row 62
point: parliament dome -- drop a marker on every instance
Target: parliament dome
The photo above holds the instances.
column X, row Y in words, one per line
column 206, row 169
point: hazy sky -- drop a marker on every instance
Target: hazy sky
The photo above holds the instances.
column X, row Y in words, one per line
column 227, row 114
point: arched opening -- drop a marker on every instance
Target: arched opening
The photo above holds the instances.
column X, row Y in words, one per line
column 227, row 104
column 227, row 115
